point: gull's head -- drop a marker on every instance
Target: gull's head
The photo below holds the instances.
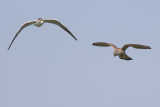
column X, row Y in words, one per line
column 39, row 19
column 39, row 22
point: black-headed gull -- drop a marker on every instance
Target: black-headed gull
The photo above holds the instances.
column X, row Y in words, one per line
column 39, row 22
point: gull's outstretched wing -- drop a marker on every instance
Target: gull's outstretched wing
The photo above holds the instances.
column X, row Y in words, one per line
column 21, row 28
column 138, row 46
column 54, row 21
column 124, row 56
column 104, row 44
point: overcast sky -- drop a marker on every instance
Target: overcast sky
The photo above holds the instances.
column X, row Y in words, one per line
column 46, row 67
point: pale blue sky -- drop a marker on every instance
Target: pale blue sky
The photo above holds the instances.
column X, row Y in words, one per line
column 46, row 67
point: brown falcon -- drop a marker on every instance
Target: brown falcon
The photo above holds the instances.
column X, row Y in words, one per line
column 121, row 51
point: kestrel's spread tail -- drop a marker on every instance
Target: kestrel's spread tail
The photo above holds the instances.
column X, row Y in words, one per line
column 124, row 56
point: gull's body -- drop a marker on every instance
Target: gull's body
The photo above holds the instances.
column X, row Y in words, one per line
column 39, row 22
column 121, row 51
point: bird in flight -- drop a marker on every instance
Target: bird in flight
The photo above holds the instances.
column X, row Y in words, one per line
column 121, row 51
column 39, row 22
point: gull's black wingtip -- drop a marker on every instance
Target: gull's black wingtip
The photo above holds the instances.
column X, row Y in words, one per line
column 9, row 47
column 75, row 38
column 149, row 47
column 94, row 44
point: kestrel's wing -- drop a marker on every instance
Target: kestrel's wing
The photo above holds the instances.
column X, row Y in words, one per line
column 138, row 46
column 124, row 56
column 104, row 44
column 54, row 21
column 21, row 28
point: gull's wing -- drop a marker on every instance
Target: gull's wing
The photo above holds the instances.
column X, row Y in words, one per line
column 104, row 44
column 138, row 46
column 124, row 56
column 54, row 21
column 21, row 28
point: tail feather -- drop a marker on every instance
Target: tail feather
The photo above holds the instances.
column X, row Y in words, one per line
column 125, row 57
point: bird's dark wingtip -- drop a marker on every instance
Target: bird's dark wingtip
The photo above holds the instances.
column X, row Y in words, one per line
column 75, row 38
column 9, row 47
column 128, row 59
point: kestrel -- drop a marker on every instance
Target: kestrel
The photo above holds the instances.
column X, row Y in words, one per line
column 121, row 51
column 39, row 22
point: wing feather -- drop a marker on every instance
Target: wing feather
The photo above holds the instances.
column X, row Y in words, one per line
column 104, row 44
column 138, row 46
column 21, row 28
column 54, row 21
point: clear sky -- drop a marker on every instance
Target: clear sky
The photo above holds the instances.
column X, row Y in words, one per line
column 46, row 67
